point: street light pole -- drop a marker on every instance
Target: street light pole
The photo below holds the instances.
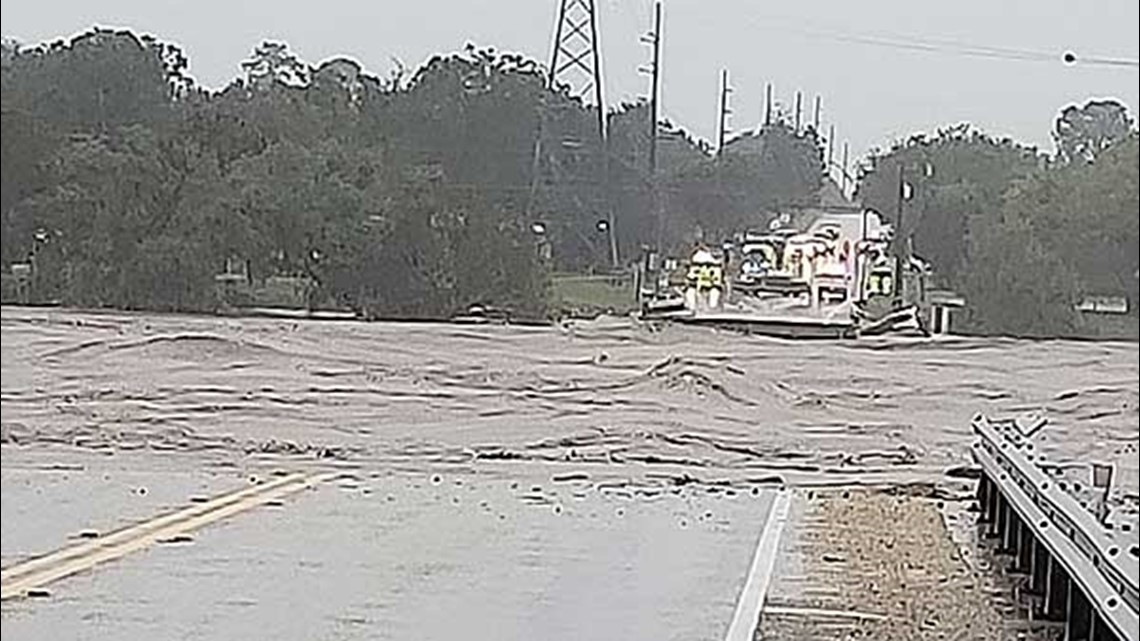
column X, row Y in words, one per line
column 606, row 225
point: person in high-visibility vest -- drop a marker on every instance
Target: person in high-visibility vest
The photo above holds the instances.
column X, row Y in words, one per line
column 705, row 271
column 705, row 279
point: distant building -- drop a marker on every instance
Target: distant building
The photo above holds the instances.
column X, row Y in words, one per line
column 1103, row 305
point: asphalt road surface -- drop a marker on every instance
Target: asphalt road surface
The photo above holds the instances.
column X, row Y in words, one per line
column 392, row 555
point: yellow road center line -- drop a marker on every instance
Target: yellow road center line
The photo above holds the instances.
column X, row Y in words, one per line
column 139, row 529
column 18, row 579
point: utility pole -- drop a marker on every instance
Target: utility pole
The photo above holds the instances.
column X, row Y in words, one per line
column 897, row 240
column 658, row 213
column 830, row 148
column 815, row 119
column 653, row 38
column 768, row 104
column 722, row 117
column 844, row 169
column 799, row 110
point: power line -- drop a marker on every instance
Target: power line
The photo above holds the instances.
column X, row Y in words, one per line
column 934, row 46
column 1071, row 58
column 946, row 46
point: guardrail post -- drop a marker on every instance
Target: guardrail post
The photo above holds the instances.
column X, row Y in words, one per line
column 1010, row 535
column 1078, row 624
column 984, row 491
column 1001, row 513
column 1056, row 591
column 992, row 509
column 1098, row 630
column 1039, row 568
column 1024, row 558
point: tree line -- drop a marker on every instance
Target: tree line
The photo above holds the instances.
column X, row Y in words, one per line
column 471, row 179
column 1025, row 236
column 413, row 194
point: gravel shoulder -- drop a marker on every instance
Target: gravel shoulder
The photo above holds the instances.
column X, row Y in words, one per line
column 881, row 565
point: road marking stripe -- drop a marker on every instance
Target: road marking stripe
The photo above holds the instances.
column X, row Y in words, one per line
column 140, row 528
column 18, row 579
column 751, row 601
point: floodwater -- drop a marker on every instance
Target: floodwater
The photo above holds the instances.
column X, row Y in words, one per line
column 550, row 467
column 604, row 393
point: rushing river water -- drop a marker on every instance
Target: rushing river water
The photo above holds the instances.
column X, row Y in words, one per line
column 612, row 392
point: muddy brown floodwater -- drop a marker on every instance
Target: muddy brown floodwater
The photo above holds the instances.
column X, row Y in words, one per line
column 625, row 409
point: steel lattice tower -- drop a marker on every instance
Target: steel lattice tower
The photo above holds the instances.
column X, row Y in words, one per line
column 575, row 61
column 558, row 161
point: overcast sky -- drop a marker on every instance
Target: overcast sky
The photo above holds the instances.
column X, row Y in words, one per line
column 871, row 93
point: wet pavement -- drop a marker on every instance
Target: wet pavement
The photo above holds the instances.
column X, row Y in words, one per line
column 55, row 496
column 400, row 555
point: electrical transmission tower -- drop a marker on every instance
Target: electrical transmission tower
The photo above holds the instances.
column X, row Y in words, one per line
column 575, row 70
column 575, row 61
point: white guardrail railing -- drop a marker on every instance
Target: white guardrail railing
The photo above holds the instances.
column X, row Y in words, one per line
column 1085, row 570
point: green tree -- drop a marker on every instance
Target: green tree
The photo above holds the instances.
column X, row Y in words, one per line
column 115, row 203
column 1016, row 282
column 25, row 146
column 1083, row 132
column 754, row 177
column 1060, row 234
column 959, row 177
column 97, row 81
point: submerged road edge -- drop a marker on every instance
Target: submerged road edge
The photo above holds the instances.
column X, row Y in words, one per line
column 751, row 601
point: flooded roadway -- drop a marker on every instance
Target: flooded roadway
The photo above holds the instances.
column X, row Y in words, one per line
column 401, row 555
column 487, row 465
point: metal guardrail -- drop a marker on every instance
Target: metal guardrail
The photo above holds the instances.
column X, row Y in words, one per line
column 1083, row 573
